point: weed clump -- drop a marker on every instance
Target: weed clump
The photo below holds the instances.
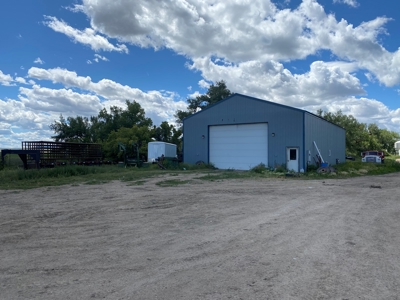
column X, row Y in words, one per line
column 260, row 168
column 280, row 168
column 311, row 168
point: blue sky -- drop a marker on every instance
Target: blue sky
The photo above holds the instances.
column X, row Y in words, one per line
column 75, row 57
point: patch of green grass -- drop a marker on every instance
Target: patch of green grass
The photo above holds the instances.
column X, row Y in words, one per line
column 358, row 168
column 12, row 161
column 138, row 182
column 260, row 171
column 96, row 181
column 199, row 166
column 232, row 174
column 370, row 168
column 281, row 168
column 75, row 175
column 17, row 178
column 172, row 182
column 260, row 168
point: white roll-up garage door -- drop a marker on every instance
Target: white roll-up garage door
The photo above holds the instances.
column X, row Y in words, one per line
column 239, row 147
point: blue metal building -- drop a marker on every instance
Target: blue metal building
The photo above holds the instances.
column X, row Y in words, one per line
column 241, row 132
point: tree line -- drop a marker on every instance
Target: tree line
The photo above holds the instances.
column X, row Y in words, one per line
column 130, row 125
column 362, row 136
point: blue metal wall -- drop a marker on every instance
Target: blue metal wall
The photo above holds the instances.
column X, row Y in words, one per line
column 330, row 139
column 285, row 126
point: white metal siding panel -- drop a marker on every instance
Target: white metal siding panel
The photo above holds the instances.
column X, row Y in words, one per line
column 239, row 147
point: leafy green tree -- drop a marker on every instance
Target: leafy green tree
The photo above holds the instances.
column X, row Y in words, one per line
column 135, row 134
column 180, row 115
column 97, row 129
column 360, row 136
column 72, row 130
column 106, row 122
column 177, row 138
column 388, row 139
column 163, row 132
column 168, row 133
column 382, row 138
column 214, row 94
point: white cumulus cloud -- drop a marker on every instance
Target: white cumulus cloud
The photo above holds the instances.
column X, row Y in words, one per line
column 352, row 3
column 20, row 80
column 38, row 61
column 159, row 106
column 271, row 81
column 98, row 57
column 249, row 44
column 225, row 29
column 87, row 36
column 6, row 79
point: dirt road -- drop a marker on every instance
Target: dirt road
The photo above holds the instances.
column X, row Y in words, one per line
column 236, row 239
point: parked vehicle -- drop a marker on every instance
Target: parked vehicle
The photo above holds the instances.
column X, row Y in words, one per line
column 373, row 156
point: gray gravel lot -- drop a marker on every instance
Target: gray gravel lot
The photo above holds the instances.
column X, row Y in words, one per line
column 231, row 239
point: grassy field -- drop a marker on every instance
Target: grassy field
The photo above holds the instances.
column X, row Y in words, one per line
column 356, row 168
column 15, row 177
column 13, row 160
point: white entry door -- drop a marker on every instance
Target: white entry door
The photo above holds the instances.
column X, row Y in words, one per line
column 239, row 147
column 292, row 159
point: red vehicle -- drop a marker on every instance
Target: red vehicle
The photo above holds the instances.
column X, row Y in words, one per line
column 373, row 156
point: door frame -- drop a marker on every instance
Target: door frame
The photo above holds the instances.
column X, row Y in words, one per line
column 297, row 163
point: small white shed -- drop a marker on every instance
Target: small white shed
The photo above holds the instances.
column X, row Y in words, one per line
column 157, row 149
column 397, row 147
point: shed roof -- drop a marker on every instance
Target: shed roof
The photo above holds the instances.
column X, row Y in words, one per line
column 261, row 100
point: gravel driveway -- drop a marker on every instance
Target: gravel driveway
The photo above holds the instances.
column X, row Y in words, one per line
column 231, row 239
